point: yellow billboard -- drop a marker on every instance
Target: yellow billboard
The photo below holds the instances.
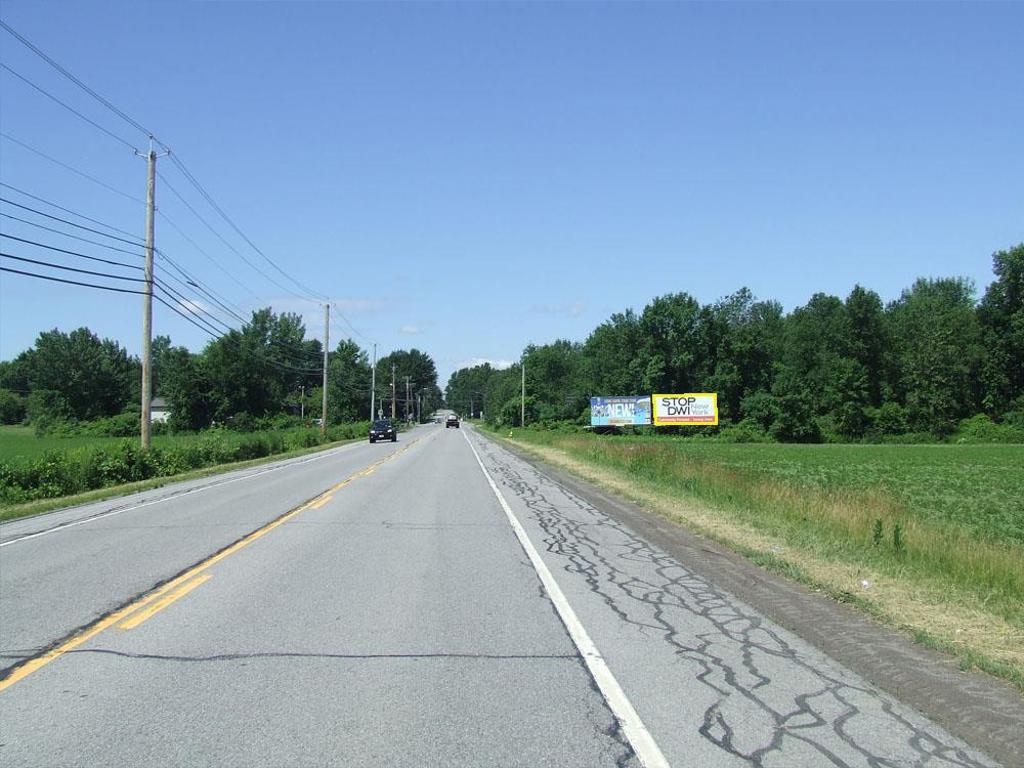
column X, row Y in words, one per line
column 693, row 409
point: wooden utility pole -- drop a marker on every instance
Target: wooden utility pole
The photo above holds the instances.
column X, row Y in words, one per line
column 407, row 397
column 373, row 385
column 147, row 299
column 393, row 393
column 327, row 336
column 522, row 413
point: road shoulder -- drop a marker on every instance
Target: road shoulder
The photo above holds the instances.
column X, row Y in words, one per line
column 981, row 710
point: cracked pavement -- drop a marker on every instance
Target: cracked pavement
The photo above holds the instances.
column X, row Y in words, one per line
column 718, row 683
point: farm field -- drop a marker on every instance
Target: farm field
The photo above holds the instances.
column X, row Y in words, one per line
column 21, row 442
column 977, row 487
column 929, row 538
column 33, row 469
column 18, row 442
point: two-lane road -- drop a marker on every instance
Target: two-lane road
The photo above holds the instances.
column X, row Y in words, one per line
column 433, row 602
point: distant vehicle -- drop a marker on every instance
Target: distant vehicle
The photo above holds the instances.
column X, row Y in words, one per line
column 453, row 421
column 382, row 430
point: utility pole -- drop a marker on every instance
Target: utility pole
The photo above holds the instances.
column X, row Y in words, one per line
column 302, row 402
column 327, row 336
column 147, row 298
column 373, row 385
column 393, row 393
column 406, row 398
column 522, row 414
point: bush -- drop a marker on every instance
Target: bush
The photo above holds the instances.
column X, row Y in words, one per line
column 761, row 408
column 890, row 419
column 122, row 425
column 981, row 429
column 796, row 422
column 746, row 431
column 62, row 473
column 12, row 407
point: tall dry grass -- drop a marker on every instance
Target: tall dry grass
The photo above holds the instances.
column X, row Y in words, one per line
column 835, row 522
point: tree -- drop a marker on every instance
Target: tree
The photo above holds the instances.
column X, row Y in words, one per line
column 1001, row 314
column 12, row 407
column 348, row 383
column 554, row 380
column 938, row 353
column 670, row 340
column 94, row 377
column 422, row 373
column 610, row 355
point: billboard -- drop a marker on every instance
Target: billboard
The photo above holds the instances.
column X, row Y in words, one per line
column 620, row 411
column 696, row 409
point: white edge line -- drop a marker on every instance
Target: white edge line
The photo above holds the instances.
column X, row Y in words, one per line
column 636, row 732
column 111, row 513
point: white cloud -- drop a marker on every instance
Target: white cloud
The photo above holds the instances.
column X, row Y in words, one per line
column 475, row 361
column 193, row 306
column 573, row 309
column 410, row 330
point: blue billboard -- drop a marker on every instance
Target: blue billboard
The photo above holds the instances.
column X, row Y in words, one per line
column 620, row 411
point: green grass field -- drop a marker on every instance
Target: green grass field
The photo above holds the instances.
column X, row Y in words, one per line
column 979, row 488
column 21, row 442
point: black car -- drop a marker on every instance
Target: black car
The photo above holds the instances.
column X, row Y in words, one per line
column 382, row 430
column 453, row 421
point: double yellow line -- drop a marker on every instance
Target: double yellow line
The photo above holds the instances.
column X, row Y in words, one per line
column 137, row 611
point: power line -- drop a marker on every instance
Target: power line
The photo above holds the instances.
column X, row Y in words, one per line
column 207, row 255
column 221, row 237
column 349, row 324
column 188, row 305
column 174, row 159
column 74, row 170
column 73, row 213
column 36, row 50
column 208, row 292
column 72, row 269
column 70, row 253
column 66, row 106
column 68, row 282
column 37, row 225
column 176, row 311
column 213, row 204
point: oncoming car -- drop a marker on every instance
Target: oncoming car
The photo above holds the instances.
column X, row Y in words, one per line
column 382, row 430
column 452, row 421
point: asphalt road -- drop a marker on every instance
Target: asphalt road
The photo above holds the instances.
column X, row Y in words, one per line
column 435, row 602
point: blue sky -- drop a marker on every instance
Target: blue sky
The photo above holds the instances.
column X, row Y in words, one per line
column 470, row 178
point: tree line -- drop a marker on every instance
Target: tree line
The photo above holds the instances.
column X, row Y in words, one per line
column 834, row 368
column 266, row 369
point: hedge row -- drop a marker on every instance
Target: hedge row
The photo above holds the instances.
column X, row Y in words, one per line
column 62, row 473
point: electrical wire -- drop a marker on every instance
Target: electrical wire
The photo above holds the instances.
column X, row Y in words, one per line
column 70, row 253
column 188, row 305
column 36, row 50
column 215, row 263
column 72, row 269
column 73, row 237
column 188, row 279
column 221, row 237
column 74, row 170
column 68, row 282
column 66, row 106
column 65, row 221
column 213, row 204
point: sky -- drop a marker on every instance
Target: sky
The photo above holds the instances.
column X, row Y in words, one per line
column 470, row 178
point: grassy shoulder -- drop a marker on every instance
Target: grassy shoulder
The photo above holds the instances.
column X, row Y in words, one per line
column 924, row 538
column 41, row 506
